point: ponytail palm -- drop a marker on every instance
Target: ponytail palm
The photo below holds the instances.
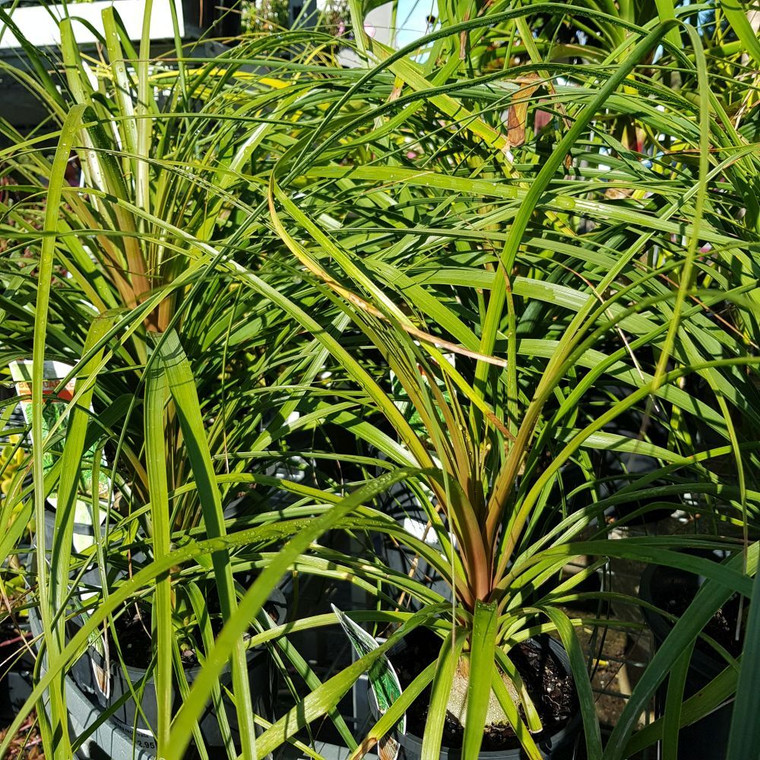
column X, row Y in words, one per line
column 503, row 297
column 169, row 355
column 547, row 281
column 376, row 248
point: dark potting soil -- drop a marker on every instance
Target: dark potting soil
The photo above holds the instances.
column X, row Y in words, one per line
column 136, row 640
column 549, row 686
column 674, row 592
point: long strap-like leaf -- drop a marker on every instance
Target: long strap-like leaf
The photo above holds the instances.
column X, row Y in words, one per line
column 58, row 715
column 181, row 384
column 744, row 741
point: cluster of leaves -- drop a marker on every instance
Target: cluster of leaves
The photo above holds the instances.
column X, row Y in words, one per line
column 487, row 265
column 268, row 16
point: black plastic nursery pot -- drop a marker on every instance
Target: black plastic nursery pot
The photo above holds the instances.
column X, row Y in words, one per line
column 706, row 739
column 122, row 701
column 138, row 722
column 16, row 672
column 403, row 506
column 128, row 689
column 109, row 686
column 557, row 742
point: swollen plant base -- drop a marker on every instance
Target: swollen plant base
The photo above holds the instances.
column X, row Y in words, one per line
column 559, row 746
column 555, row 685
column 457, row 704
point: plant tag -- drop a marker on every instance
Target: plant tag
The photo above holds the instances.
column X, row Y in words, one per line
column 84, row 530
column 52, row 417
column 53, row 372
column 383, row 680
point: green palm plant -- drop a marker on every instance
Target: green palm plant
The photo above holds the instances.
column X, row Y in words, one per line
column 442, row 245
column 172, row 359
column 313, row 220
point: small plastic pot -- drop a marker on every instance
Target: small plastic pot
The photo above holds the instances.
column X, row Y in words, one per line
column 85, row 673
column 129, row 719
column 557, row 745
column 403, row 506
column 706, row 739
column 16, row 675
column 261, row 675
